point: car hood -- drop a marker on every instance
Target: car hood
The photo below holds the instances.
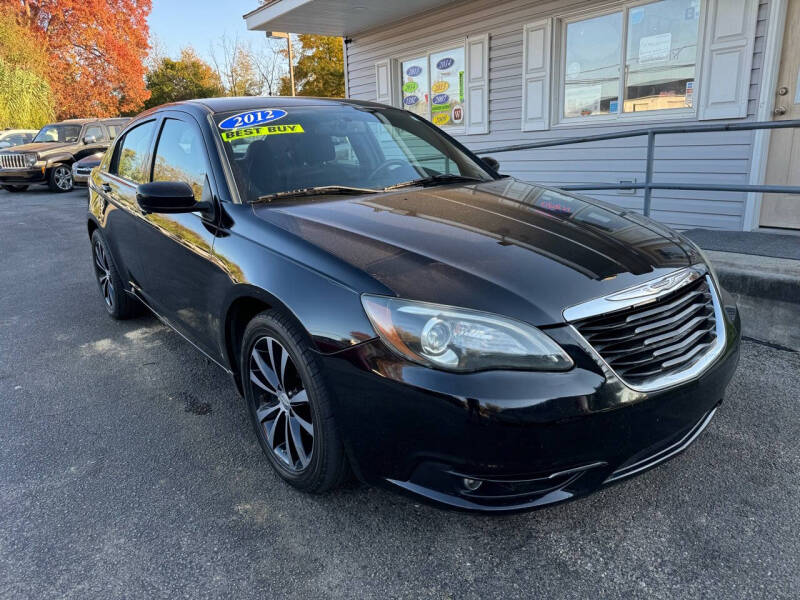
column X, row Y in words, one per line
column 90, row 161
column 39, row 147
column 504, row 246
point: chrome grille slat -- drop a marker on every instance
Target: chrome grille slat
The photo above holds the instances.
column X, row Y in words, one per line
column 657, row 339
column 12, row 160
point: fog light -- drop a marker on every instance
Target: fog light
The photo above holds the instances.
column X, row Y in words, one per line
column 472, row 484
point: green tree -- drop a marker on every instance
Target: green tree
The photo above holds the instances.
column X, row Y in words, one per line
column 320, row 69
column 183, row 79
column 26, row 99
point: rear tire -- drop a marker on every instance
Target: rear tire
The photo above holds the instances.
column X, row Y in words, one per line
column 15, row 188
column 60, row 178
column 290, row 406
column 119, row 304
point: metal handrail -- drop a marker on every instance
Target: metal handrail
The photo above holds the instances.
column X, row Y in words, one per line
column 649, row 185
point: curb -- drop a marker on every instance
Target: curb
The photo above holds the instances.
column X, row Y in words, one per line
column 767, row 291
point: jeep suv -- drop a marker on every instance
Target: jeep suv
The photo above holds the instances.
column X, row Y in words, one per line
column 48, row 158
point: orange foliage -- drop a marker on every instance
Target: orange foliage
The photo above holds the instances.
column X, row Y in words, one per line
column 96, row 49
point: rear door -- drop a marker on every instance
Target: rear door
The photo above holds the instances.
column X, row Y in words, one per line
column 129, row 166
column 178, row 271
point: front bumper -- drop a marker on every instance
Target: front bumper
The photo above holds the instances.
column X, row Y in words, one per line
column 529, row 438
column 25, row 176
column 81, row 176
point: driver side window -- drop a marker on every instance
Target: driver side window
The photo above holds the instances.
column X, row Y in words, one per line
column 181, row 156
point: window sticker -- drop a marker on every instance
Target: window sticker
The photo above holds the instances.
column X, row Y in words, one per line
column 252, row 118
column 654, row 48
column 244, row 132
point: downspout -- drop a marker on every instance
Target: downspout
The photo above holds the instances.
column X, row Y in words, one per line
column 345, row 43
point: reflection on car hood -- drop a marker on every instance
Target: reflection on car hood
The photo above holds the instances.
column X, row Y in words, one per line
column 503, row 246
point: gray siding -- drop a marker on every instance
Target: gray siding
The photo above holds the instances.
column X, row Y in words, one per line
column 718, row 158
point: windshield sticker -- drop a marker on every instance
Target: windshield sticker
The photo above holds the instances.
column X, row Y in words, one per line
column 252, row 118
column 245, row 132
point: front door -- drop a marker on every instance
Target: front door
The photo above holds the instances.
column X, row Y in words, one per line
column 783, row 166
column 179, row 274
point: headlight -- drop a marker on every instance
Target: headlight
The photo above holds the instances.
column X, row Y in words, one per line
column 458, row 339
column 30, row 159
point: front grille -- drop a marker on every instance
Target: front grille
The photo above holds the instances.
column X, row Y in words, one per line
column 658, row 339
column 12, row 161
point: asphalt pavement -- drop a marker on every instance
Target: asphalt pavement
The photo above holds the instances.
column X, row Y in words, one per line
column 128, row 469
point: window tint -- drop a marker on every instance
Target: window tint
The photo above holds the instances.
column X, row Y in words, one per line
column 131, row 158
column 96, row 131
column 180, row 155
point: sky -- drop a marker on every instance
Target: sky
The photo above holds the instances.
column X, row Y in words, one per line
column 198, row 23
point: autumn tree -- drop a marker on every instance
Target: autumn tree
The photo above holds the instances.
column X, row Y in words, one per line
column 96, row 51
column 26, row 99
column 320, row 68
column 236, row 67
column 183, row 79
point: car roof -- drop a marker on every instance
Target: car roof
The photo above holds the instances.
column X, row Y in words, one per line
column 242, row 103
column 92, row 120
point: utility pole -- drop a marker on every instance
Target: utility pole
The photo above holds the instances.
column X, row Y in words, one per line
column 280, row 35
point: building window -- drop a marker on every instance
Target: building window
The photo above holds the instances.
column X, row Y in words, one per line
column 639, row 58
column 433, row 86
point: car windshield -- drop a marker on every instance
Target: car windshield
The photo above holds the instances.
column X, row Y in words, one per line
column 58, row 133
column 338, row 146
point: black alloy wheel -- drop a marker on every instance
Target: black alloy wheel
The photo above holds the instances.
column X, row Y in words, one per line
column 283, row 410
column 119, row 304
column 289, row 404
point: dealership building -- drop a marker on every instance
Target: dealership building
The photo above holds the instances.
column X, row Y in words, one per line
column 506, row 72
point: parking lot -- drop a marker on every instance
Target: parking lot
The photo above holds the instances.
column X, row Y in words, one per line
column 128, row 468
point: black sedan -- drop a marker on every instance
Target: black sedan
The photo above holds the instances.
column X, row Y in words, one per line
column 389, row 306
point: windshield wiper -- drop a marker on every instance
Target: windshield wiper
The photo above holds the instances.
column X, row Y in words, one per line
column 316, row 191
column 436, row 179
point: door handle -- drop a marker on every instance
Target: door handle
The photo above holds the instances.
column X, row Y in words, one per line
column 780, row 111
column 106, row 188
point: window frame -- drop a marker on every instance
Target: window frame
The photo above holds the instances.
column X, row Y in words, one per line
column 157, row 140
column 103, row 133
column 426, row 51
column 113, row 165
column 558, row 60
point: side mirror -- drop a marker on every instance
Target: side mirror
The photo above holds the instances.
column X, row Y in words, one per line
column 168, row 197
column 491, row 163
column 89, row 139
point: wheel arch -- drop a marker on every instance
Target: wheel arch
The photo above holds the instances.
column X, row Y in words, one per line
column 59, row 159
column 246, row 303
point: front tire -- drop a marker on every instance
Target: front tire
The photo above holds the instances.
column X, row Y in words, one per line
column 60, row 178
column 290, row 405
column 118, row 303
column 15, row 188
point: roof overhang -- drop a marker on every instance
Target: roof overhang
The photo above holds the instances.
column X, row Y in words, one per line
column 334, row 17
